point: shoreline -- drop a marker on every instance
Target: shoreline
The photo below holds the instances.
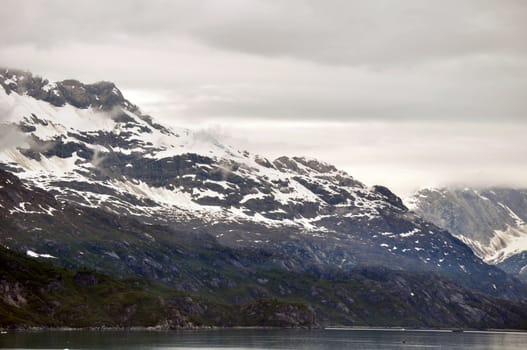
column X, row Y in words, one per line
column 217, row 328
column 438, row 330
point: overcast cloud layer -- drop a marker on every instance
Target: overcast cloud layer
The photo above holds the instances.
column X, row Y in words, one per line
column 404, row 93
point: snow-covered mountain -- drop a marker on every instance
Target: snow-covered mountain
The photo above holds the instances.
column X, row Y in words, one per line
column 127, row 163
column 90, row 149
column 491, row 221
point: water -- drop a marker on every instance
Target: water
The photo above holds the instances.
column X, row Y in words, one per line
column 265, row 339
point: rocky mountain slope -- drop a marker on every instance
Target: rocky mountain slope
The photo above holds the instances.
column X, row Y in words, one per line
column 36, row 294
column 491, row 221
column 100, row 184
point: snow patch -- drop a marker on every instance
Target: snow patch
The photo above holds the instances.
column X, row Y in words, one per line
column 409, row 233
column 37, row 255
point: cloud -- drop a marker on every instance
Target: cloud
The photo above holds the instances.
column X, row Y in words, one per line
column 402, row 93
column 295, row 60
column 372, row 32
column 402, row 155
column 11, row 137
column 376, row 32
column 97, row 159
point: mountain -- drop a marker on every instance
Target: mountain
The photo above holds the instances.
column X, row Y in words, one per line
column 233, row 286
column 38, row 294
column 491, row 221
column 89, row 180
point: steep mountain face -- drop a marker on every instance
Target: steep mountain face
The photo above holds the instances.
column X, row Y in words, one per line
column 103, row 185
column 491, row 221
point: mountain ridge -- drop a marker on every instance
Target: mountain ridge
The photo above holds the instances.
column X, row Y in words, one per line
column 164, row 193
column 492, row 221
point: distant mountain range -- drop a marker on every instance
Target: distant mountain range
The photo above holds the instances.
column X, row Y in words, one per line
column 89, row 180
column 491, row 221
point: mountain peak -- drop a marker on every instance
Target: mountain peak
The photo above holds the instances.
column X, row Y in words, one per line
column 303, row 165
column 103, row 95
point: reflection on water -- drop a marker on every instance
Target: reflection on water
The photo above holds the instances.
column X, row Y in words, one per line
column 265, row 339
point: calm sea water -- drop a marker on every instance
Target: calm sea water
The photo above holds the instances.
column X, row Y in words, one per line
column 264, row 339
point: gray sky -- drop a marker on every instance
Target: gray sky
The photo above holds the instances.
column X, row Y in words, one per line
column 402, row 93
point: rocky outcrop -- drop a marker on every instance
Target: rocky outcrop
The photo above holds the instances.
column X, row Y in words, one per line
column 12, row 293
column 273, row 313
column 102, row 95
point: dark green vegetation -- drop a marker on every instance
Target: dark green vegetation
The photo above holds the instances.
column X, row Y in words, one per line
column 37, row 294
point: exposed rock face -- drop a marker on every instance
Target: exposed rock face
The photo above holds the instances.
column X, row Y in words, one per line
column 276, row 314
column 491, row 221
column 101, row 95
column 11, row 293
column 390, row 197
column 516, row 264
